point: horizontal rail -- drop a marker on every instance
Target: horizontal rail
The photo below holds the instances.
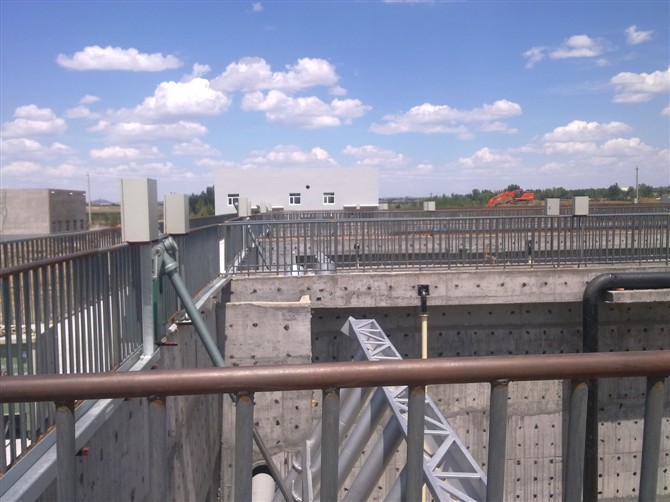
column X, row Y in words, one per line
column 339, row 375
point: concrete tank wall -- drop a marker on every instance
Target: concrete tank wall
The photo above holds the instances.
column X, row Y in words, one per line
column 117, row 465
column 485, row 312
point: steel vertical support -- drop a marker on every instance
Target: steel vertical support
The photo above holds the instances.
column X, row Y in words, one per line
column 244, row 422
column 330, row 443
column 146, row 291
column 651, row 442
column 495, row 487
column 158, row 448
column 415, row 426
column 65, row 452
column 576, row 441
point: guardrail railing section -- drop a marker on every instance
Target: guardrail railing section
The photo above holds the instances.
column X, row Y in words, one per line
column 65, row 315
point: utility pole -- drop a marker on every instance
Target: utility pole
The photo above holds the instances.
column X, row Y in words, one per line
column 637, row 187
column 90, row 215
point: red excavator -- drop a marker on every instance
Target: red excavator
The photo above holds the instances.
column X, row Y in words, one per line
column 515, row 196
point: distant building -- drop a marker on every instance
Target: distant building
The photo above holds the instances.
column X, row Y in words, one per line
column 296, row 189
column 41, row 211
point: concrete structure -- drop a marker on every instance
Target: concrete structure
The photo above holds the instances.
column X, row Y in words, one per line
column 296, row 189
column 41, row 211
column 472, row 313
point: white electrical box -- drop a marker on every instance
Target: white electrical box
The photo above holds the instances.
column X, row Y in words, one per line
column 552, row 207
column 139, row 210
column 429, row 205
column 175, row 213
column 580, row 206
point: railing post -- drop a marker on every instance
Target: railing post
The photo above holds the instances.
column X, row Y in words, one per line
column 158, row 448
column 330, row 443
column 415, row 427
column 244, row 422
column 495, row 477
column 651, row 442
column 65, row 452
column 576, row 441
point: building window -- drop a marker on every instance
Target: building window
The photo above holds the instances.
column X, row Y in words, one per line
column 233, row 199
column 329, row 197
column 294, row 199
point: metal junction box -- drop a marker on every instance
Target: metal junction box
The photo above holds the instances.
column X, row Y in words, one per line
column 175, row 213
column 139, row 210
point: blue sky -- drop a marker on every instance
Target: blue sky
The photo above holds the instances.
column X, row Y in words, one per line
column 442, row 97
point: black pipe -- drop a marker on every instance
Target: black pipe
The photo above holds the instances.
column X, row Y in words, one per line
column 592, row 295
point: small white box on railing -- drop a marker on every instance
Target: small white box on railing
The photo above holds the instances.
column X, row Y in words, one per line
column 139, row 210
column 552, row 207
column 176, row 214
column 580, row 206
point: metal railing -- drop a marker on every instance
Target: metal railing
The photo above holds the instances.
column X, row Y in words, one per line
column 82, row 312
column 417, row 373
column 20, row 251
column 293, row 247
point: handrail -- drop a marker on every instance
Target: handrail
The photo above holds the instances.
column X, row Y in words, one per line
column 35, row 388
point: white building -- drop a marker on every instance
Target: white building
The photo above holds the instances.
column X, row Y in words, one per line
column 296, row 189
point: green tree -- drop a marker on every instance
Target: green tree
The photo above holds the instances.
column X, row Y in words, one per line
column 202, row 204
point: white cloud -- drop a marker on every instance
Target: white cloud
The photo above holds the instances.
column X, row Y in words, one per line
column 291, row 155
column 255, row 74
column 425, row 168
column 27, row 148
column 431, row 119
column 305, row 112
column 486, row 156
column 640, row 87
column 257, row 7
column 31, row 120
column 199, row 70
column 635, row 37
column 81, row 112
column 578, row 46
column 116, row 58
column 624, row 147
column 194, row 98
column 195, row 147
column 534, row 55
column 582, row 131
column 89, row 100
column 116, row 153
column 371, row 155
column 138, row 131
column 20, row 168
column 666, row 111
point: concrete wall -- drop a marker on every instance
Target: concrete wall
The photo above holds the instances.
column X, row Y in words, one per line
column 484, row 312
column 271, row 187
column 45, row 211
column 117, row 465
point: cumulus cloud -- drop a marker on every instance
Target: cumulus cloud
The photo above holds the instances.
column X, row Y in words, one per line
column 194, row 98
column 120, row 153
column 432, row 119
column 257, row 7
column 582, row 131
column 255, row 74
column 534, row 55
column 27, row 148
column 371, row 155
column 116, row 58
column 195, row 147
column 486, row 156
column 138, row 131
column 291, row 156
column 635, row 37
column 30, row 120
column 89, row 100
column 81, row 112
column 640, row 87
column 578, row 46
column 20, row 168
column 304, row 112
